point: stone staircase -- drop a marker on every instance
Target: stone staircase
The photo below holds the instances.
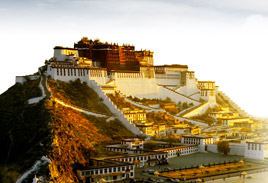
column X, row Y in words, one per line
column 186, row 111
column 232, row 104
column 112, row 107
column 182, row 95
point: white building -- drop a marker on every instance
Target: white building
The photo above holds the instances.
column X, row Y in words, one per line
column 151, row 158
column 179, row 151
column 64, row 54
column 133, row 143
column 105, row 169
column 256, row 150
column 201, row 141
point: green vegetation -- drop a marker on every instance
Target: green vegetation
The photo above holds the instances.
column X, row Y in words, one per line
column 78, row 94
column 67, row 137
column 120, row 102
column 223, row 147
column 154, row 101
column 205, row 118
column 160, row 117
column 112, row 129
column 23, row 129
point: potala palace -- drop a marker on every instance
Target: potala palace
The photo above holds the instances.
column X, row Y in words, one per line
column 110, row 68
column 121, row 68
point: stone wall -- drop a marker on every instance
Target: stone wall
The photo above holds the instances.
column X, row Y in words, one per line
column 233, row 104
column 114, row 109
column 234, row 149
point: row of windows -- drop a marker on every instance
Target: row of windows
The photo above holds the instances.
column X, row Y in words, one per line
column 72, row 72
column 124, row 75
column 254, row 146
column 142, row 158
column 105, row 170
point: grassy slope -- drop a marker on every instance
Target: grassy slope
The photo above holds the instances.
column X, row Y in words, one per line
column 22, row 128
column 78, row 94
column 47, row 128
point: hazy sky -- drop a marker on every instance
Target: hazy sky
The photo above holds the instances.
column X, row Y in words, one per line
column 225, row 41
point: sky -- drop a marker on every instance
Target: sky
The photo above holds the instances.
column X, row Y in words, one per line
column 223, row 41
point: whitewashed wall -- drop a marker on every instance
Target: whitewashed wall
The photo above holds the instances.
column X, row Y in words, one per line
column 233, row 104
column 234, row 149
column 139, row 87
column 175, row 97
column 114, row 109
column 198, row 111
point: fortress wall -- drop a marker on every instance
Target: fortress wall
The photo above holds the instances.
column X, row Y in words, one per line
column 175, row 97
column 233, row 104
column 66, row 75
column 192, row 121
column 234, row 149
column 22, row 79
column 198, row 111
column 188, row 89
column 100, row 80
column 164, row 81
column 212, row 148
column 139, row 87
column 171, row 78
column 84, row 74
column 237, row 150
column 114, row 109
column 100, row 76
column 196, row 96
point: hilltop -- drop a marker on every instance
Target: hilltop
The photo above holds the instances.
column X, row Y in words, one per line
column 97, row 93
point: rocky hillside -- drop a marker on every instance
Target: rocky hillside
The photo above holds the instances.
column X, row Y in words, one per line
column 47, row 128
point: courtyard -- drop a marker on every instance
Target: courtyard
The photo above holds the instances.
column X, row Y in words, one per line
column 213, row 165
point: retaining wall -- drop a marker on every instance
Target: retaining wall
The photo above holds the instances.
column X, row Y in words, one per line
column 114, row 109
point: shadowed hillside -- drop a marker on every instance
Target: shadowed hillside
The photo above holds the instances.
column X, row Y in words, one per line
column 67, row 137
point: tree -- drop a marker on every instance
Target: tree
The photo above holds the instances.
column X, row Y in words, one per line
column 184, row 105
column 151, row 145
column 223, row 147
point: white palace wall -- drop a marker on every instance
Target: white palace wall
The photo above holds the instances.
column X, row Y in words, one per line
column 135, row 84
column 68, row 74
column 170, row 78
column 84, row 74
column 114, row 109
column 175, row 97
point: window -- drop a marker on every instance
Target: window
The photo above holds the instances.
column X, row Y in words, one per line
column 123, row 168
column 114, row 169
column 105, row 170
